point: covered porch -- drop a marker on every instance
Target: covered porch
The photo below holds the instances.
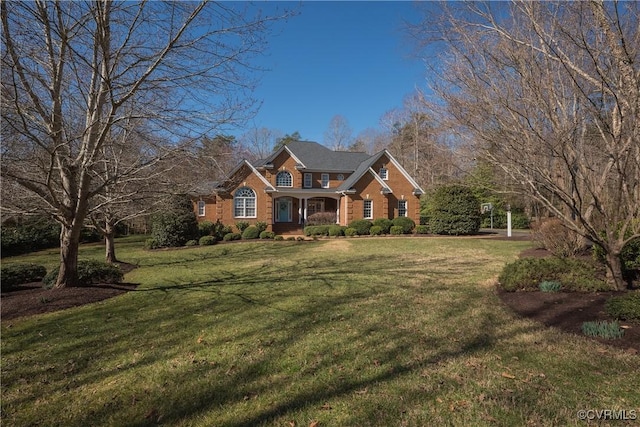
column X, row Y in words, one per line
column 291, row 212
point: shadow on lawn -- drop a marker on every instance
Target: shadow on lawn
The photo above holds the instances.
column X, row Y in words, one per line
column 159, row 314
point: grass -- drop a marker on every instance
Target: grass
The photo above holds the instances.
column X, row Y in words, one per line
column 342, row 332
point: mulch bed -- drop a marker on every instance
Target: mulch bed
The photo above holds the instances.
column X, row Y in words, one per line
column 566, row 311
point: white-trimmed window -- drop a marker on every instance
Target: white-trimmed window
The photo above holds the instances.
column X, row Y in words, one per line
column 201, row 206
column 308, row 180
column 384, row 173
column 244, row 203
column 325, row 180
column 367, row 211
column 402, row 208
column 284, row 179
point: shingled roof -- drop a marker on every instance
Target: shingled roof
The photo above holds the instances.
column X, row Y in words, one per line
column 314, row 156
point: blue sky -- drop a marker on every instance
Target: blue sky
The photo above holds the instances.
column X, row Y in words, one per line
column 347, row 58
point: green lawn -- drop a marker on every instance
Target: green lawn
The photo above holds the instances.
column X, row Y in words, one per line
column 343, row 332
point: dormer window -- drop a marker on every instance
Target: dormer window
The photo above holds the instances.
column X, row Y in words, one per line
column 284, row 179
column 384, row 173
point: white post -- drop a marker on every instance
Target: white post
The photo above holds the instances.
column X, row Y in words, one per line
column 508, row 223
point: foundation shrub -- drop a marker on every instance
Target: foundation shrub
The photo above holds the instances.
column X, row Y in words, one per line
column 267, row 235
column 336, row 230
column 375, row 230
column 396, row 230
column 232, row 236
column 407, row 224
column 384, row 224
column 362, row 226
column 242, row 225
column 192, row 242
column 350, row 232
column 251, row 232
column 316, row 230
column 207, row 241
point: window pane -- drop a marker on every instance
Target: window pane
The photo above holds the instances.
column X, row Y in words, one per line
column 402, row 208
column 284, row 179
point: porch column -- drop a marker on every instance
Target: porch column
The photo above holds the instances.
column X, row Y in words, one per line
column 338, row 211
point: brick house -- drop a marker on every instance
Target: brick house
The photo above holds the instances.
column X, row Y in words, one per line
column 303, row 178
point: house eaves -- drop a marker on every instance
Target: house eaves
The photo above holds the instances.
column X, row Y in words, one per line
column 268, row 187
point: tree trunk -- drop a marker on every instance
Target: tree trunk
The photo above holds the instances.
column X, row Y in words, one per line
column 614, row 272
column 69, row 242
column 110, row 247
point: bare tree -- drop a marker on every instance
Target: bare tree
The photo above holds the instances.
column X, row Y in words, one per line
column 258, row 143
column 550, row 93
column 338, row 134
column 71, row 69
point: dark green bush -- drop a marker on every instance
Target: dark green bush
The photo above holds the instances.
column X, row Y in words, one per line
column 624, row 307
column 251, row 232
column 454, row 210
column 407, row 224
column 362, row 226
column 261, row 226
column 384, row 224
column 17, row 274
column 422, row 229
column 193, row 242
column 350, row 232
column 175, row 226
column 151, row 244
column 316, row 230
column 267, row 235
column 207, row 241
column 519, row 221
column 89, row 273
column 336, row 230
column 278, row 238
column 206, row 228
column 396, row 230
column 30, row 235
column 232, row 236
column 574, row 275
column 375, row 230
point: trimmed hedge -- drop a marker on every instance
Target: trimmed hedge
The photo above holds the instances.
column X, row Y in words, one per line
column 575, row 275
column 384, row 224
column 375, row 230
column 407, row 224
column 397, row 230
column 316, row 230
column 232, row 236
column 350, row 232
column 422, row 229
column 267, row 235
column 207, row 241
column 89, row 273
column 362, row 226
column 14, row 275
column 251, row 232
column 336, row 230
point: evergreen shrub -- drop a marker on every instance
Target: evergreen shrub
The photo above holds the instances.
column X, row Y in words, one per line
column 14, row 275
column 454, row 210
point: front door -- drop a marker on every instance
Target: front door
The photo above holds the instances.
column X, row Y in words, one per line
column 283, row 209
